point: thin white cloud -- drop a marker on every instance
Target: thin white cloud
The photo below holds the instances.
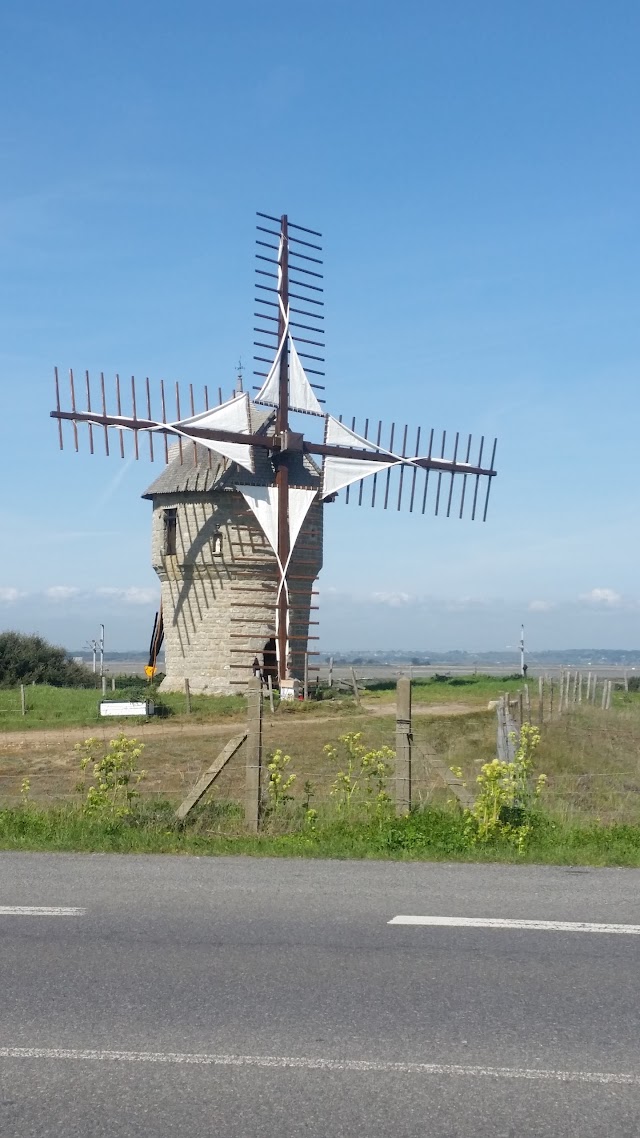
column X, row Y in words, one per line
column 393, row 600
column 465, row 604
column 540, row 606
column 605, row 598
column 61, row 592
column 131, row 595
column 9, row 595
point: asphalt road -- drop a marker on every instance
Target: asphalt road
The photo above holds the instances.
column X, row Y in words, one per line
column 237, row 997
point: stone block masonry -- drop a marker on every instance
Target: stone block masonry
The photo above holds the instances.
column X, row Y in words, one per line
column 219, row 579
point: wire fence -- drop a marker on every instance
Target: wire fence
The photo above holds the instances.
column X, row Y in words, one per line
column 592, row 760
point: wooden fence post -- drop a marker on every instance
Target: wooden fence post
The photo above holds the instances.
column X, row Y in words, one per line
column 403, row 745
column 508, row 731
column 540, row 701
column 270, row 687
column 588, row 695
column 187, row 697
column 354, row 682
column 306, row 677
column 331, row 671
column 593, row 690
column 254, row 755
column 23, row 700
column 551, row 698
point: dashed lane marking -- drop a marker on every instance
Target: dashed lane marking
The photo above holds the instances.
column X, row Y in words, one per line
column 505, row 923
column 320, row 1064
column 41, row 911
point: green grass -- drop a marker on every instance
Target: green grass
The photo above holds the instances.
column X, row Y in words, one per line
column 49, row 707
column 430, row 835
column 475, row 690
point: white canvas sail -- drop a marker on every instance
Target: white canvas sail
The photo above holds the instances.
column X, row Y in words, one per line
column 263, row 501
column 340, row 471
column 301, row 394
column 270, row 391
column 230, row 416
column 301, row 500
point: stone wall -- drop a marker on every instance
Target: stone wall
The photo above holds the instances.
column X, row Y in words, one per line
column 219, row 589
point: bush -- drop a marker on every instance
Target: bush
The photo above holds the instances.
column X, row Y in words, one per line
column 27, row 659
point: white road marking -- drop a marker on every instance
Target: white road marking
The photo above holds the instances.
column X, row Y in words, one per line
column 504, row 923
column 40, row 911
column 286, row 1061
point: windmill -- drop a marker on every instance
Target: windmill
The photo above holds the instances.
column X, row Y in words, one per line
column 274, row 477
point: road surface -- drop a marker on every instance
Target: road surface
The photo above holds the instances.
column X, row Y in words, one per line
column 147, row 996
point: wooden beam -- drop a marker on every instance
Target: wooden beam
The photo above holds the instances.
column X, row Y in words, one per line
column 210, row 775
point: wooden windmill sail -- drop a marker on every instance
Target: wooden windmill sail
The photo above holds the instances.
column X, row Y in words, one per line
column 280, row 474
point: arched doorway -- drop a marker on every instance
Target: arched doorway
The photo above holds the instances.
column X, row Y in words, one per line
column 270, row 662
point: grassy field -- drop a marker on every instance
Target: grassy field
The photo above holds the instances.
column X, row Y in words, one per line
column 592, row 759
column 473, row 690
column 49, row 707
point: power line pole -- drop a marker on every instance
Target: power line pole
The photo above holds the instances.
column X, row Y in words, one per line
column 93, row 647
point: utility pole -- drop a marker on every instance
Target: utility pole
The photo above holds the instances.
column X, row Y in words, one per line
column 101, row 642
column 93, row 647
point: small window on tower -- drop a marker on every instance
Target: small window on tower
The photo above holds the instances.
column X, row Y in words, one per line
column 170, row 532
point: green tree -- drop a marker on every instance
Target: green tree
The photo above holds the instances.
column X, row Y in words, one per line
column 24, row 659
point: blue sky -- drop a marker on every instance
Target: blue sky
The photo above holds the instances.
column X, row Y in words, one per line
column 474, row 170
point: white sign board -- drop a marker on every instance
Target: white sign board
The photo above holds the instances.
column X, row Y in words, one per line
column 290, row 689
column 126, row 707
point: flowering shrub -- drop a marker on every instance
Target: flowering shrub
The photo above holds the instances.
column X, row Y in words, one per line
column 114, row 774
column 505, row 803
column 279, row 783
column 363, row 781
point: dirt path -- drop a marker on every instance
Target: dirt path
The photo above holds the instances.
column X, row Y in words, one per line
column 38, row 738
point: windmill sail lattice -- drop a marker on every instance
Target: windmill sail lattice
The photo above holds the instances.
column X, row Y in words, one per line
column 289, row 474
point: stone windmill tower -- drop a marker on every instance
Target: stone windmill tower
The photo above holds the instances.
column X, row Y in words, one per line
column 237, row 511
column 219, row 573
